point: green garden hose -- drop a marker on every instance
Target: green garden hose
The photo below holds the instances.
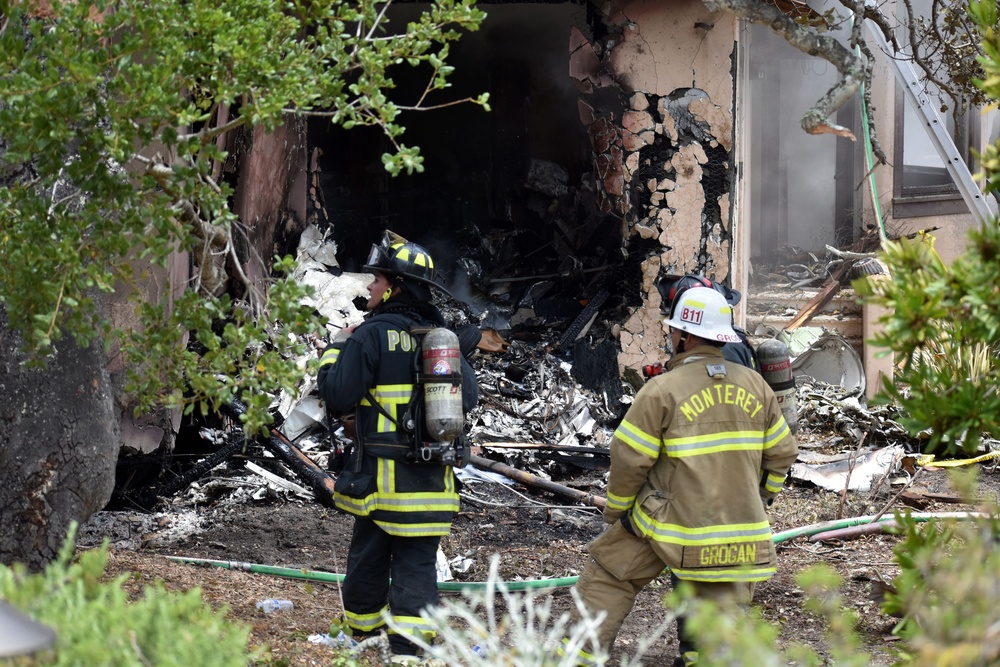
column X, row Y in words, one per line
column 561, row 582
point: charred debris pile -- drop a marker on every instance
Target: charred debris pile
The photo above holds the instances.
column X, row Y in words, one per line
column 551, row 391
column 540, row 303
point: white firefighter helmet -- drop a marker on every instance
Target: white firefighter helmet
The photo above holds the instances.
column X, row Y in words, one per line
column 704, row 312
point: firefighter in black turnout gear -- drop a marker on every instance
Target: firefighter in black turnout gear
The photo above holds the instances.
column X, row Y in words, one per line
column 403, row 505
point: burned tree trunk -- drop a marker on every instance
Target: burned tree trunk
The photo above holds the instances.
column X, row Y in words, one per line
column 59, row 441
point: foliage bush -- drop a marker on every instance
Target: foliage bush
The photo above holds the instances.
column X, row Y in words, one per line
column 943, row 321
column 522, row 632
column 948, row 588
column 95, row 623
column 111, row 115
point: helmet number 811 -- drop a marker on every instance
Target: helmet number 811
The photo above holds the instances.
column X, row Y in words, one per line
column 692, row 315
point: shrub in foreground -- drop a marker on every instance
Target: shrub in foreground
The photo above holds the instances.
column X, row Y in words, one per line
column 96, row 624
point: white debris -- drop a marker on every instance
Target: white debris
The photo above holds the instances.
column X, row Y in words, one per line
column 280, row 482
column 857, row 475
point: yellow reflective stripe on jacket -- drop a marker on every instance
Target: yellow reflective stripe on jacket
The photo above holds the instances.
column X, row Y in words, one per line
column 731, row 574
column 330, row 355
column 402, row 502
column 387, row 483
column 774, row 482
column 366, row 622
column 386, row 474
column 621, row 503
column 705, row 535
column 356, row 506
column 390, row 397
column 725, row 441
column 428, row 501
column 638, row 439
column 776, row 433
column 415, row 529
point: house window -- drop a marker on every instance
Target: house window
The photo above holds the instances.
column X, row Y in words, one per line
column 922, row 184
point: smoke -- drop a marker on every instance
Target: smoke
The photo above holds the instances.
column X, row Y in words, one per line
column 793, row 175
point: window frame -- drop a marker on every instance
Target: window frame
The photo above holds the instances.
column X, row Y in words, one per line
column 934, row 200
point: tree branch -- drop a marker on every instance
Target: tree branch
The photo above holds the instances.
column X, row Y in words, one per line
column 851, row 68
column 207, row 135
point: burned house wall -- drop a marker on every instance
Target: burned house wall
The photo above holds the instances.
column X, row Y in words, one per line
column 270, row 198
column 147, row 432
column 599, row 167
column 664, row 162
column 505, row 203
column 269, row 179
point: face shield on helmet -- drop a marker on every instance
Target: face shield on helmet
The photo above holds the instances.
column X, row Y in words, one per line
column 379, row 256
column 402, row 260
column 704, row 313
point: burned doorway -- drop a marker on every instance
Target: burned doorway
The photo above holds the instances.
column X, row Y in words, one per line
column 803, row 192
column 505, row 200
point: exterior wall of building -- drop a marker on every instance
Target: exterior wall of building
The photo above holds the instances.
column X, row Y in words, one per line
column 952, row 230
column 665, row 162
column 669, row 162
column 271, row 183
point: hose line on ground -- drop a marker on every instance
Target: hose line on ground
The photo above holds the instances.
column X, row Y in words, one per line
column 564, row 582
column 314, row 575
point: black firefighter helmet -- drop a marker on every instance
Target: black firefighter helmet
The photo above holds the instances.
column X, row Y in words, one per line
column 404, row 260
column 672, row 287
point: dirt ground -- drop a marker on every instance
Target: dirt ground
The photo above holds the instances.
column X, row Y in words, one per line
column 534, row 534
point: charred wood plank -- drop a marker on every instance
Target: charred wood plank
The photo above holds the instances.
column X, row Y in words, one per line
column 533, row 480
column 236, row 443
column 318, row 479
column 829, row 289
column 582, row 320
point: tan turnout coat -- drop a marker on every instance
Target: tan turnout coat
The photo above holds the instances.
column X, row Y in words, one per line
column 698, row 451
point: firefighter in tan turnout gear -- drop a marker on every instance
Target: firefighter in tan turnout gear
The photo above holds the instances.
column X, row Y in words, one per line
column 699, row 450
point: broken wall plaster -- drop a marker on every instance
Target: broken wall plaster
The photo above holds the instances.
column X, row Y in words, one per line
column 670, row 151
column 680, row 196
column 642, row 335
column 660, row 49
column 718, row 121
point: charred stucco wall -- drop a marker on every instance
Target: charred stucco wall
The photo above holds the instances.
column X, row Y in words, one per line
column 148, row 432
column 663, row 160
column 269, row 176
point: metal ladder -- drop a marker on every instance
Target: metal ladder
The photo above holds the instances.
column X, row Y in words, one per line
column 981, row 207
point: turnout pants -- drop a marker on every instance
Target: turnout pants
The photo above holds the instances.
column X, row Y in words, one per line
column 621, row 565
column 375, row 558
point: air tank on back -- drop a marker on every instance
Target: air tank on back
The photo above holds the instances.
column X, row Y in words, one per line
column 776, row 368
column 443, row 414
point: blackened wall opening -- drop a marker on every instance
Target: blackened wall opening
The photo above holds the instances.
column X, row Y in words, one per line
column 506, row 204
